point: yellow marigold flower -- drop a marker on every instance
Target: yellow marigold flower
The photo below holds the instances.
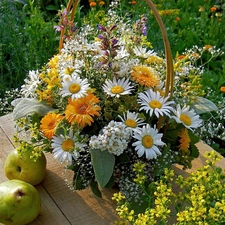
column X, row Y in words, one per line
column 49, row 123
column 145, row 76
column 82, row 110
column 184, row 140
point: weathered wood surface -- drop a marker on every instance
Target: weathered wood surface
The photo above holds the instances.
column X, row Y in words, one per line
column 60, row 205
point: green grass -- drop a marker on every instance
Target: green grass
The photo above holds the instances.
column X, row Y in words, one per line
column 27, row 41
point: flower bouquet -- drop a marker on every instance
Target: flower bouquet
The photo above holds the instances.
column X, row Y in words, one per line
column 107, row 102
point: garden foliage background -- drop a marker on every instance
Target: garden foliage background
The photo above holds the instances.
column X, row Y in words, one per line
column 28, row 39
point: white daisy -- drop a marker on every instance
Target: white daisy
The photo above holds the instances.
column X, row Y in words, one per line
column 143, row 53
column 187, row 117
column 74, row 86
column 66, row 148
column 118, row 87
column 148, row 140
column 152, row 102
column 130, row 119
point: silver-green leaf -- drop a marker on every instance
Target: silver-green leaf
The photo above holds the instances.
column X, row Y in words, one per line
column 103, row 164
column 25, row 106
column 203, row 105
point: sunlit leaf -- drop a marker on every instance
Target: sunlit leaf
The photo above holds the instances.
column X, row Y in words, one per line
column 203, row 105
column 26, row 106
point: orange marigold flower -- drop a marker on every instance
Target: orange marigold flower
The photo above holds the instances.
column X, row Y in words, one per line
column 201, row 9
column 184, row 140
column 101, row 3
column 222, row 89
column 82, row 110
column 207, row 47
column 213, row 9
column 178, row 19
column 92, row 4
column 146, row 76
column 49, row 123
column 133, row 3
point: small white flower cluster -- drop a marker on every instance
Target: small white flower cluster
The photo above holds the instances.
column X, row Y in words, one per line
column 114, row 138
column 31, row 84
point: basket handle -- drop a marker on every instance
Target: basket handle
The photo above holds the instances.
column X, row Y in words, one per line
column 73, row 4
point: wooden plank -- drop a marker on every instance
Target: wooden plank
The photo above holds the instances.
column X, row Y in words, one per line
column 62, row 206
column 50, row 212
column 80, row 207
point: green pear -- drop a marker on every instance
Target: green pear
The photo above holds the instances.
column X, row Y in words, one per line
column 20, row 202
column 25, row 169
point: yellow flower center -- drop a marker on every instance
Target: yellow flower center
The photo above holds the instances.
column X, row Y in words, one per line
column 67, row 145
column 131, row 123
column 147, row 141
column 117, row 89
column 74, row 88
column 186, row 119
column 155, row 104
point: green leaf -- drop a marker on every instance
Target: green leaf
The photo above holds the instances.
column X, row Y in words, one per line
column 194, row 139
column 103, row 164
column 78, row 181
column 203, row 105
column 52, row 7
column 25, row 106
column 95, row 189
column 24, row 2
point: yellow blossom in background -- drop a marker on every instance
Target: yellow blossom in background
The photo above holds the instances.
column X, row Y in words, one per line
column 201, row 9
column 167, row 12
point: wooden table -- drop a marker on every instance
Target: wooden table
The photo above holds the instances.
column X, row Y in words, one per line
column 60, row 205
